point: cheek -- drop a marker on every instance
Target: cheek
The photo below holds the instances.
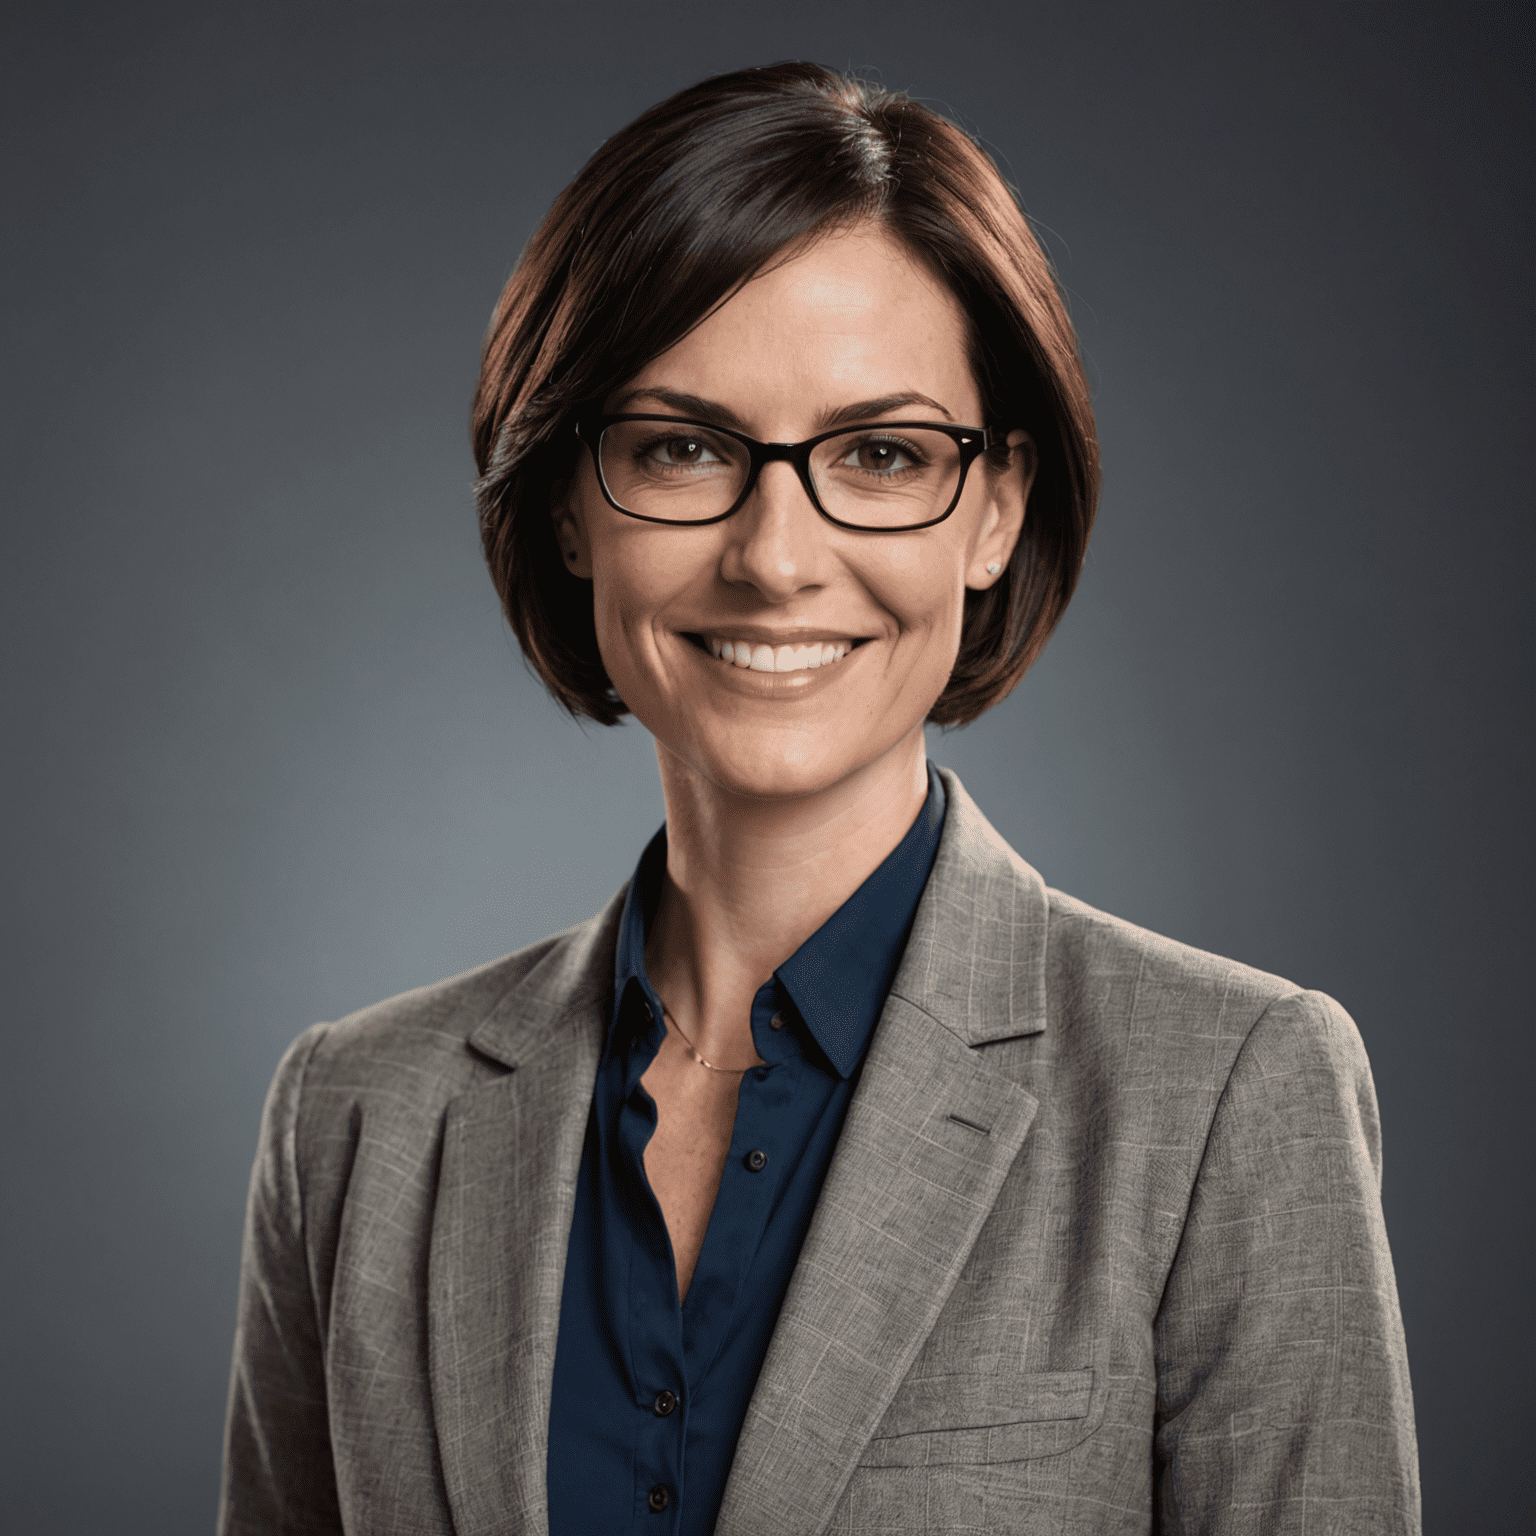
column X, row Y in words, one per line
column 923, row 588
column 620, row 608
column 637, row 574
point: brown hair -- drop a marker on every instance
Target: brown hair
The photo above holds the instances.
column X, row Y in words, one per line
column 673, row 215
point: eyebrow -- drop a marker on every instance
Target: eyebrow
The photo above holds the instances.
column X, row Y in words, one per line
column 697, row 408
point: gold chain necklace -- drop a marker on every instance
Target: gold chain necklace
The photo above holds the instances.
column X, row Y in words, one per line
column 693, row 1049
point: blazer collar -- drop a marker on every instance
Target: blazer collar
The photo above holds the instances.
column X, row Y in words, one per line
column 931, row 1134
column 511, row 1152
column 574, row 973
column 976, row 957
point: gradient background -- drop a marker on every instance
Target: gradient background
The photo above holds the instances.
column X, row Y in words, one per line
column 274, row 753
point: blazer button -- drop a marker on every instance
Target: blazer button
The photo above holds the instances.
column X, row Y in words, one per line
column 664, row 1404
column 756, row 1159
column 778, row 1021
column 658, row 1498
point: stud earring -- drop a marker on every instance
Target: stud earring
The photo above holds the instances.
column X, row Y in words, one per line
column 993, row 567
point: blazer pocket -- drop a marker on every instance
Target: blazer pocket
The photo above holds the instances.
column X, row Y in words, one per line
column 981, row 1420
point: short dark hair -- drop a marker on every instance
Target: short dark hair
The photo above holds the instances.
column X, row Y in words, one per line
column 673, row 215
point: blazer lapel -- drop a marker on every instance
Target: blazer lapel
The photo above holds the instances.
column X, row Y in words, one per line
column 507, row 1190
column 930, row 1137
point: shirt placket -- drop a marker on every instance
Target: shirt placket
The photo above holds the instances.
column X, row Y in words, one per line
column 748, row 1183
column 660, row 1393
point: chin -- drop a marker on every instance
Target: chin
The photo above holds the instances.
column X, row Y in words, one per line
column 778, row 764
column 785, row 752
column 770, row 775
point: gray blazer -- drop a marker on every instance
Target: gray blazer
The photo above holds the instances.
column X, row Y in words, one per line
column 1100, row 1250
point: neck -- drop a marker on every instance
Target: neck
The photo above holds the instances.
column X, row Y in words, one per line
column 750, row 880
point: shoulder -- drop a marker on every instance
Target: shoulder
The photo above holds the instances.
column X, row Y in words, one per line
column 1153, row 1053
column 1012, row 957
column 1179, row 1015
column 1096, row 960
column 361, row 1102
column 422, row 1033
column 1092, row 999
column 1087, row 948
column 411, row 1053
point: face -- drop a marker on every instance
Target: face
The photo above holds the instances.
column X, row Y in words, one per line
column 853, row 319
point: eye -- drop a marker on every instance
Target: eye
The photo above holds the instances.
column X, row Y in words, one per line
column 683, row 451
column 882, row 456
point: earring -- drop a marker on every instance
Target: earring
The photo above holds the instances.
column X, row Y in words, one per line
column 993, row 567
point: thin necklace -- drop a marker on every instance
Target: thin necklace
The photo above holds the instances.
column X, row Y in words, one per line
column 693, row 1050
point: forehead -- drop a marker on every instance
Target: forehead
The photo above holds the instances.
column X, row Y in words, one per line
column 854, row 316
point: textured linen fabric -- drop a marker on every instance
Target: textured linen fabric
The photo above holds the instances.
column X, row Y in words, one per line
column 623, row 1337
column 1100, row 1250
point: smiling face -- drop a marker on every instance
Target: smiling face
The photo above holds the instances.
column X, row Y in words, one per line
column 862, row 627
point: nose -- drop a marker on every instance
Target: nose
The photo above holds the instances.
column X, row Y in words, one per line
column 778, row 539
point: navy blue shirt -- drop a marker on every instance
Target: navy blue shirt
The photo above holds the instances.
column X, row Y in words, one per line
column 649, row 1396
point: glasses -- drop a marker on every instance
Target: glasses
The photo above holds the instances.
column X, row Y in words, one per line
column 889, row 478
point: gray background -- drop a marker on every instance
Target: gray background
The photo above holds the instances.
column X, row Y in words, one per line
column 273, row 754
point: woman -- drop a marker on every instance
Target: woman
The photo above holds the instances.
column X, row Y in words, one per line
column 836, row 1176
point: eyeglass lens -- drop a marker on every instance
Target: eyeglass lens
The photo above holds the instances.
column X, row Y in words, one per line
column 869, row 477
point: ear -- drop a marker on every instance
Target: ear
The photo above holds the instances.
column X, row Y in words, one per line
column 1003, row 520
column 569, row 533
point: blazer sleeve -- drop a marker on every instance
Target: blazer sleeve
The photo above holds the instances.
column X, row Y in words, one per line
column 279, row 1479
column 1283, row 1396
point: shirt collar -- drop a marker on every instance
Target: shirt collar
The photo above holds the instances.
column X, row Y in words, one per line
column 635, row 921
column 838, row 979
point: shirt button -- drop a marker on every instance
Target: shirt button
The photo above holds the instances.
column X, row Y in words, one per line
column 665, row 1403
column 778, row 1021
column 756, row 1159
column 658, row 1498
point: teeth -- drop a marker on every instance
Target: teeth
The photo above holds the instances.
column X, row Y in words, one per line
column 786, row 658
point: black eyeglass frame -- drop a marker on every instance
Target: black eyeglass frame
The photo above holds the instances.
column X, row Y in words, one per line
column 972, row 442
